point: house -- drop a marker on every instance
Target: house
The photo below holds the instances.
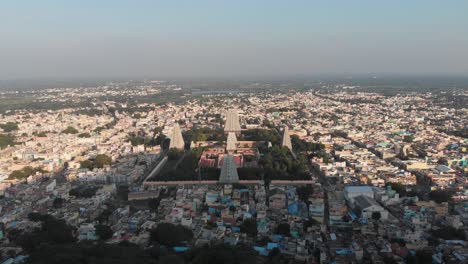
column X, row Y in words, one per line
column 366, row 206
column 351, row 192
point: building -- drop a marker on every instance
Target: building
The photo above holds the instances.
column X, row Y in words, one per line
column 177, row 141
column 232, row 122
column 229, row 170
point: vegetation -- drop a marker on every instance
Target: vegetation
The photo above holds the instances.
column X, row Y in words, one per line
column 52, row 231
column 9, row 127
column 70, row 130
column 40, row 134
column 136, row 140
column 104, row 232
column 279, row 164
column 300, row 145
column 440, row 196
column 84, row 191
column 223, row 254
column 179, row 170
column 449, row 233
column 6, row 140
column 304, row 192
column 249, row 227
column 266, row 135
column 174, row 154
column 283, row 229
column 25, row 173
column 84, row 135
column 99, row 161
column 204, row 134
column 171, row 235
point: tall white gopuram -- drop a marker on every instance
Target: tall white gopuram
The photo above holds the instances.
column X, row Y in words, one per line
column 231, row 143
column 229, row 170
column 177, row 141
column 286, row 139
column 232, row 122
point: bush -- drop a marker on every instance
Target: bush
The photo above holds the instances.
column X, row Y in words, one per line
column 70, row 130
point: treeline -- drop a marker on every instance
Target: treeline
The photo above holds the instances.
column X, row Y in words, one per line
column 53, row 243
column 204, row 134
column 25, row 173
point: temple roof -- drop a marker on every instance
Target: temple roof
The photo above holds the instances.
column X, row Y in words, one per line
column 232, row 121
column 231, row 142
column 229, row 170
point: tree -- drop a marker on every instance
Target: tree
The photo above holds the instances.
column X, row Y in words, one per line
column 25, row 172
column 304, row 192
column 174, row 154
column 283, row 229
column 376, row 216
column 153, row 203
column 421, row 257
column 6, row 140
column 102, row 160
column 224, row 254
column 58, row 202
column 36, row 217
column 249, row 227
column 399, row 188
column 449, row 233
column 104, row 232
column 87, row 164
column 440, row 196
column 9, row 127
column 171, row 235
column 70, row 130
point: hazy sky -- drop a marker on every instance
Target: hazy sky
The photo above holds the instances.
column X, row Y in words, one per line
column 196, row 38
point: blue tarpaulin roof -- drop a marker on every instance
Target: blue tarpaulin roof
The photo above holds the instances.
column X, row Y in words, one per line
column 271, row 245
column 181, row 249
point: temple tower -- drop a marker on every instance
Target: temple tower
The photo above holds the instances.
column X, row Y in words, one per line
column 232, row 122
column 177, row 141
column 228, row 171
column 286, row 142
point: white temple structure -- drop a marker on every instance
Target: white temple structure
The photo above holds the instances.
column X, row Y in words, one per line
column 177, row 141
column 232, row 122
column 229, row 171
column 231, row 143
column 286, row 142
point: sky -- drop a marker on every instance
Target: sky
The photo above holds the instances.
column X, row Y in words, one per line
column 229, row 38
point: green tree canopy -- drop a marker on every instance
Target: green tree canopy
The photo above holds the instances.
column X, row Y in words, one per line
column 102, row 160
column 70, row 130
column 9, row 127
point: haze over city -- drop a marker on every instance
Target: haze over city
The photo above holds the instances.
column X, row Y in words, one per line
column 234, row 132
column 61, row 39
